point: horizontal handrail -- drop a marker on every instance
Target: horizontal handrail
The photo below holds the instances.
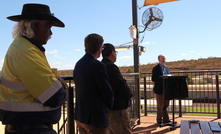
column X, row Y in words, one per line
column 192, row 71
column 69, row 120
column 203, row 92
column 124, row 74
column 67, row 77
column 129, row 74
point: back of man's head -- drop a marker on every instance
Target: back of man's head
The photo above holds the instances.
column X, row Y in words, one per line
column 93, row 43
column 107, row 49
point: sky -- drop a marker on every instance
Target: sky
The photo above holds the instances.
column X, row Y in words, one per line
column 190, row 29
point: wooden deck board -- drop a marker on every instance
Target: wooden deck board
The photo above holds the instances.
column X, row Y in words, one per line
column 200, row 127
column 195, row 128
column 205, row 128
column 216, row 125
column 184, row 129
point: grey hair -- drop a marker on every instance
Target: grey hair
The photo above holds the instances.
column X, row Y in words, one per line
column 25, row 28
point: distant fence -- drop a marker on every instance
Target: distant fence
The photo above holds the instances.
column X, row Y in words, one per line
column 203, row 89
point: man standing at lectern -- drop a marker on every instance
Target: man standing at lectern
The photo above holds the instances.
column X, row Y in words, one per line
column 158, row 72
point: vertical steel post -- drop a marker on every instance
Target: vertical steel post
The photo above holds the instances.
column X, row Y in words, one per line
column 180, row 108
column 71, row 127
column 145, row 95
column 136, row 58
column 217, row 96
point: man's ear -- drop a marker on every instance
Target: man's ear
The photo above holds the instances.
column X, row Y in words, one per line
column 112, row 53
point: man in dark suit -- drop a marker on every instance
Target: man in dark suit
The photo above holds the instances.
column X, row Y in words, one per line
column 119, row 122
column 158, row 71
column 94, row 95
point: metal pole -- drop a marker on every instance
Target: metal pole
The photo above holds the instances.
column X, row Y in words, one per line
column 145, row 95
column 135, row 41
column 217, row 96
column 136, row 57
column 71, row 127
column 180, row 108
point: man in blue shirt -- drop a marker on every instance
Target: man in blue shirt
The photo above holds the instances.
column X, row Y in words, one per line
column 158, row 71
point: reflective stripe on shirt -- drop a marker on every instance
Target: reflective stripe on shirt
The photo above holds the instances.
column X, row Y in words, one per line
column 12, row 85
column 50, row 91
column 25, row 107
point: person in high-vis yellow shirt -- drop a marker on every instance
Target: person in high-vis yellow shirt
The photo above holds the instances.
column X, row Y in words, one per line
column 31, row 93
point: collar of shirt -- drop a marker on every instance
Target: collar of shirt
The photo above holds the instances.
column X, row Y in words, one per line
column 34, row 42
column 106, row 59
column 164, row 69
column 162, row 66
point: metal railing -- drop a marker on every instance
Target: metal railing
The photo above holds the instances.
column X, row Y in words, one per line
column 204, row 97
column 203, row 90
column 66, row 124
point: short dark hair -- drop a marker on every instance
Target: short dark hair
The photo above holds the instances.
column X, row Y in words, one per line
column 107, row 49
column 92, row 43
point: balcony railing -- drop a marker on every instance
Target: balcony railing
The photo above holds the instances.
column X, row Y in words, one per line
column 204, row 98
column 203, row 89
column 66, row 124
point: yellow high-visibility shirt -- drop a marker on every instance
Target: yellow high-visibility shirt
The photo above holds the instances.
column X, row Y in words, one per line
column 27, row 80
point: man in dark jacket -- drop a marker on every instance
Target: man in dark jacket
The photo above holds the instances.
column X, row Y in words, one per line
column 94, row 95
column 158, row 71
column 119, row 122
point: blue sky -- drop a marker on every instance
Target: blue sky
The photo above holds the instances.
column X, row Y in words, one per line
column 190, row 29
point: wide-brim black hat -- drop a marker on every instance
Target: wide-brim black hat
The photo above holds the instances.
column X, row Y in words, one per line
column 38, row 12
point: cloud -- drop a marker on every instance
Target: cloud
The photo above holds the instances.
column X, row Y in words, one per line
column 77, row 50
column 125, row 57
column 148, row 43
column 60, row 66
column 52, row 52
column 68, row 66
column 1, row 63
column 192, row 51
column 184, row 54
column 58, row 57
column 2, row 60
column 55, row 64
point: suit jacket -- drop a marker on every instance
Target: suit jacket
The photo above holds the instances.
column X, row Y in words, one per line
column 122, row 93
column 94, row 95
column 157, row 79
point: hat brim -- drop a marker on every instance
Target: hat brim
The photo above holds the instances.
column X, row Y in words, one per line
column 55, row 21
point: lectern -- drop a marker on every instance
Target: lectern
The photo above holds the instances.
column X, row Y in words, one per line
column 175, row 87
